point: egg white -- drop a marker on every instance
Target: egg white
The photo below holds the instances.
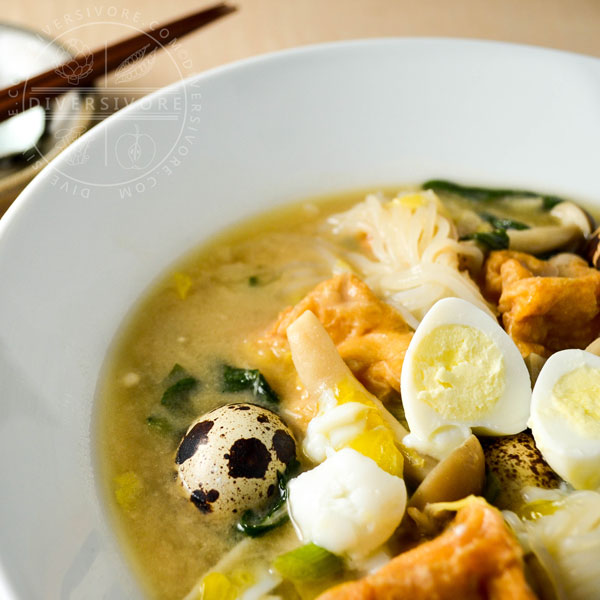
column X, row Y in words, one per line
column 347, row 504
column 437, row 434
column 574, row 455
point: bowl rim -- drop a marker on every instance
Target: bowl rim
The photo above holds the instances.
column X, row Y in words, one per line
column 277, row 55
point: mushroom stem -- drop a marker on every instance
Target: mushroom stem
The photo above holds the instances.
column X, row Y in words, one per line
column 594, row 347
column 539, row 240
column 460, row 474
column 320, row 367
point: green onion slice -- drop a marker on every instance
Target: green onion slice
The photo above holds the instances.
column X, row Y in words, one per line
column 308, row 563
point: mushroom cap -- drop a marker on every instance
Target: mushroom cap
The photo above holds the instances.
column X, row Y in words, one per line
column 592, row 249
column 569, row 213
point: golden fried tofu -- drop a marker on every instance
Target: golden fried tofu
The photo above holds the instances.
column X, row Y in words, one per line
column 370, row 335
column 546, row 306
column 476, row 558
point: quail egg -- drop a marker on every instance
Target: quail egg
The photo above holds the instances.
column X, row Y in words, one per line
column 565, row 416
column 229, row 458
column 462, row 373
column 516, row 463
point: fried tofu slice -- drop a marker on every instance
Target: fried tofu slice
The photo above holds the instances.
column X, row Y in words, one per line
column 546, row 306
column 370, row 335
column 476, row 558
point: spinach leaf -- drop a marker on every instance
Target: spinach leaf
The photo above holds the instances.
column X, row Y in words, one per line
column 240, row 380
column 159, row 424
column 494, row 240
column 255, row 524
column 502, row 222
column 181, row 385
column 177, row 396
column 549, row 202
column 176, row 373
column 262, row 278
column 481, row 194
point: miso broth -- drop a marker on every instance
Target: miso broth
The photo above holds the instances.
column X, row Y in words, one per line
column 203, row 314
column 241, row 280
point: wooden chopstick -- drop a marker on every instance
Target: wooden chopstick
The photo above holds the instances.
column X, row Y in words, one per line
column 82, row 70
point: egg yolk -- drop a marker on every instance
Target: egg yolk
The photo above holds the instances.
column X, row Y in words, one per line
column 576, row 398
column 459, row 372
column 376, row 441
column 411, row 201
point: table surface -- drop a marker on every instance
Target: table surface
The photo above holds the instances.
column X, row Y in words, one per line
column 261, row 26
column 265, row 25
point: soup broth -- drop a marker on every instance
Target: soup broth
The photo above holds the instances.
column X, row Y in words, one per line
column 205, row 313
column 241, row 281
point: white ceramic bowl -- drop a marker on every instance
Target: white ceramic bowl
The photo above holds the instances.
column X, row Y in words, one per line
column 270, row 129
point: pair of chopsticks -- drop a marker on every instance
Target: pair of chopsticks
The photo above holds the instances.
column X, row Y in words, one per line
column 83, row 69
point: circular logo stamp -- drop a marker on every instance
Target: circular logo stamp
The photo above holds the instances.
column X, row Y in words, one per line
column 147, row 143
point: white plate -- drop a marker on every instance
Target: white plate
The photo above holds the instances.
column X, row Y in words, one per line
column 270, row 129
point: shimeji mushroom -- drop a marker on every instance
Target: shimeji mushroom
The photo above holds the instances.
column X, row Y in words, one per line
column 574, row 226
column 594, row 347
column 322, row 371
column 534, row 363
column 460, row 474
column 592, row 250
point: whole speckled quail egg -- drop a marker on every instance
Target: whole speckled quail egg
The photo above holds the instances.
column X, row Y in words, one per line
column 228, row 460
column 516, row 463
